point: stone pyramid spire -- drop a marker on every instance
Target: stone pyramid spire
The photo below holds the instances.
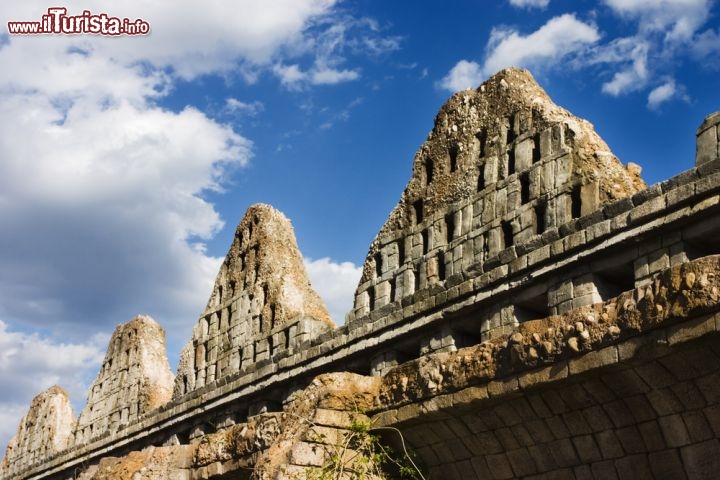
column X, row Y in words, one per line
column 43, row 432
column 262, row 303
column 504, row 164
column 135, row 378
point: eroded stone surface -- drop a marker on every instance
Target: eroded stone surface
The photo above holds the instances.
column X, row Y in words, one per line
column 502, row 165
column 262, row 303
column 685, row 291
column 43, row 432
column 135, row 378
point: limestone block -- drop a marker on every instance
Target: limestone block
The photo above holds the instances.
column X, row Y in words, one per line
column 524, row 154
column 708, row 140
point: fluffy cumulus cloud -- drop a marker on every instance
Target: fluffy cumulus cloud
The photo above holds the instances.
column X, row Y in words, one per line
column 660, row 32
column 335, row 283
column 103, row 192
column 665, row 31
column 465, row 74
column 675, row 19
column 559, row 37
column 29, row 364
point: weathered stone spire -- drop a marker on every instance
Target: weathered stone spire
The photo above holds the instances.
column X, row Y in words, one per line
column 503, row 164
column 43, row 432
column 262, row 303
column 135, row 378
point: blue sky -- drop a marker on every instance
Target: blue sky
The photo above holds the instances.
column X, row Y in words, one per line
column 126, row 162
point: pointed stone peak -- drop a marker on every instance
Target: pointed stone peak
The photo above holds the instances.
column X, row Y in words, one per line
column 264, row 257
column 135, row 378
column 43, row 432
column 262, row 303
column 507, row 119
column 513, row 162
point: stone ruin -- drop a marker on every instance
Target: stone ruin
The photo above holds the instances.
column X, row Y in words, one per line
column 45, row 431
column 262, row 304
column 530, row 307
column 134, row 379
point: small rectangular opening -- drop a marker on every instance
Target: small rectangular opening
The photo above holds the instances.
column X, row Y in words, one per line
column 371, row 297
column 536, row 148
column 425, row 241
column 453, row 152
column 401, row 252
column 392, row 289
column 510, row 130
column 418, row 209
column 507, row 234
column 576, row 202
column 378, row 264
column 449, row 227
column 441, row 265
column 481, row 179
column 511, row 160
column 428, row 171
column 540, row 212
column 416, row 278
column 482, row 139
column 525, row 188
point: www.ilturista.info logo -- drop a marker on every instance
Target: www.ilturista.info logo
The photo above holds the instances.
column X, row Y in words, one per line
column 57, row 21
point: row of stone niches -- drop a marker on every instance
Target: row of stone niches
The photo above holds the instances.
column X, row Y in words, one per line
column 463, row 239
column 591, row 282
column 217, row 356
column 520, row 154
column 109, row 424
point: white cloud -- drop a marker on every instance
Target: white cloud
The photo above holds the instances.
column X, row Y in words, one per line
column 661, row 94
column 251, row 109
column 335, row 283
column 635, row 75
column 559, row 37
column 30, row 364
column 668, row 90
column 706, row 48
column 465, row 74
column 529, row 3
column 195, row 38
column 330, row 76
column 676, row 19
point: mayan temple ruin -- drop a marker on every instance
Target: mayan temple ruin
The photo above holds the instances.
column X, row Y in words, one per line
column 530, row 309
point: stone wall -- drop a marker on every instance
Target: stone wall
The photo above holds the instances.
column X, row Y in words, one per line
column 624, row 389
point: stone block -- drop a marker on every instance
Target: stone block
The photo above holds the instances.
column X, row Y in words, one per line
column 708, row 140
column 702, row 460
column 524, row 154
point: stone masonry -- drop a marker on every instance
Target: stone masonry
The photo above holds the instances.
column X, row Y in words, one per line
column 262, row 304
column 502, row 167
column 529, row 310
column 43, row 432
column 135, row 378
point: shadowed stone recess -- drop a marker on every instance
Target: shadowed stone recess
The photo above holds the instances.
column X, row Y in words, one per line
column 262, row 304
